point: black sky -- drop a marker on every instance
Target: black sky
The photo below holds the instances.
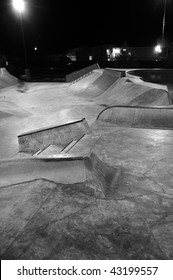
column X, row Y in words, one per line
column 55, row 25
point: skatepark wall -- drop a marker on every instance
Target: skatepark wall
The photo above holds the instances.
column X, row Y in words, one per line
column 76, row 75
column 61, row 135
column 141, row 117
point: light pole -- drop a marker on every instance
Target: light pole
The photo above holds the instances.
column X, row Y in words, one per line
column 19, row 6
column 163, row 23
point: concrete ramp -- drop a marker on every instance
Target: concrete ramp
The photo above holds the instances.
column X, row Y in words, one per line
column 124, row 92
column 10, row 109
column 100, row 85
column 76, row 75
column 6, row 79
column 142, row 117
column 151, row 97
column 97, row 176
column 61, row 135
column 59, row 170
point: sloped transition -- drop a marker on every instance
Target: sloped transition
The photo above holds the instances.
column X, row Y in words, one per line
column 101, row 84
column 98, row 177
column 123, row 92
column 142, row 117
column 10, row 109
column 6, row 79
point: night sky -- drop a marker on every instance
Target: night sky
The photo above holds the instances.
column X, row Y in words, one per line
column 55, row 26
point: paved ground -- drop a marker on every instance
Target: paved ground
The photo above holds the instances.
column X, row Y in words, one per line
column 43, row 219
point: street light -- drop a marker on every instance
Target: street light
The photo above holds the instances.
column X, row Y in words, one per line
column 19, row 6
column 158, row 49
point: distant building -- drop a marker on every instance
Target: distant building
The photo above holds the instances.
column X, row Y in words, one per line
column 97, row 53
column 71, row 54
column 114, row 53
column 143, row 53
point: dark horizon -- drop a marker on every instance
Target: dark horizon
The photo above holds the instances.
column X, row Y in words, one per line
column 54, row 26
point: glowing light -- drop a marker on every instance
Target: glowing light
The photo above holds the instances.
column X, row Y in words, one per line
column 116, row 51
column 158, row 49
column 18, row 5
column 35, row 49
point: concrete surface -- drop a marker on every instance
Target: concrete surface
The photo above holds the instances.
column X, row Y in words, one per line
column 126, row 92
column 102, row 83
column 164, row 77
column 61, row 135
column 143, row 117
column 114, row 202
column 45, row 220
column 6, row 79
column 59, row 170
column 76, row 75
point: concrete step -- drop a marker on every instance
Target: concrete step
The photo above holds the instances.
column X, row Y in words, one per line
column 68, row 147
column 35, row 140
column 84, row 145
column 78, row 147
column 50, row 151
column 55, row 150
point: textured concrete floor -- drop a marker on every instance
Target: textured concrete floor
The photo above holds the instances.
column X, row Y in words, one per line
column 42, row 219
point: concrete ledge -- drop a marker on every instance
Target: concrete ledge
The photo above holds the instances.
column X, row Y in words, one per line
column 81, row 73
column 97, row 176
column 35, row 140
column 143, row 117
column 59, row 170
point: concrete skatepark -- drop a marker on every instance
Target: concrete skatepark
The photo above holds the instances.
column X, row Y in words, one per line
column 86, row 166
